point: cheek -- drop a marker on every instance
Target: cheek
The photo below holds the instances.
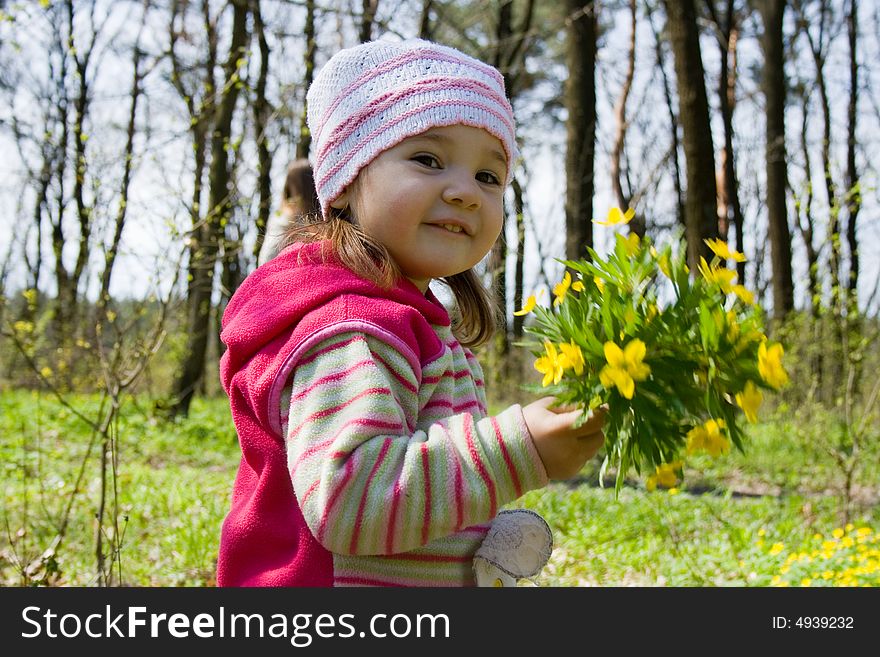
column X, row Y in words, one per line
column 495, row 222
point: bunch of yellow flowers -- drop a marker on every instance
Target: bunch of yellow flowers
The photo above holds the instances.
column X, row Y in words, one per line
column 678, row 359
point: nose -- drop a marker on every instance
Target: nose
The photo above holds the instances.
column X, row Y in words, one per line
column 462, row 189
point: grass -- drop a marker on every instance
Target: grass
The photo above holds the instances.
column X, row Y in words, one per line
column 174, row 482
column 764, row 518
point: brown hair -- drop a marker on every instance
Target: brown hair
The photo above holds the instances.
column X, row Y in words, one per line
column 299, row 189
column 475, row 317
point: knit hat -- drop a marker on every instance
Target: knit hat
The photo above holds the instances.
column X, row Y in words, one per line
column 372, row 96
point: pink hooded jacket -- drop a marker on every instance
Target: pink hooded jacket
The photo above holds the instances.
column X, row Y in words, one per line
column 283, row 309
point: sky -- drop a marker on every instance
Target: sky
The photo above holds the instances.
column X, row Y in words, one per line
column 154, row 239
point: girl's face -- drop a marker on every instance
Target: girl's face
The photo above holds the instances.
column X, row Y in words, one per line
column 434, row 200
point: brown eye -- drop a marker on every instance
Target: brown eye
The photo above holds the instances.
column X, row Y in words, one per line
column 488, row 178
column 427, row 160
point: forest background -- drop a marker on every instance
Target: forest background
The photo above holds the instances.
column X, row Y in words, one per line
column 146, row 144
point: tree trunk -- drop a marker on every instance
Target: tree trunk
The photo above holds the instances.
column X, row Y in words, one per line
column 304, row 144
column 127, row 161
column 210, row 231
column 261, row 111
column 508, row 55
column 624, row 198
column 67, row 281
column 580, row 145
column 806, row 228
column 519, row 269
column 729, row 209
column 853, row 193
column 818, row 50
column 85, row 214
column 673, row 119
column 772, row 12
column 426, row 29
column 368, row 17
column 701, row 218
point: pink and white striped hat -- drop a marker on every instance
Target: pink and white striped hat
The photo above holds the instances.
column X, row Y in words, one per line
column 372, row 96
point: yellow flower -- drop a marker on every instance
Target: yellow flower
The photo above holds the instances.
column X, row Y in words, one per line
column 600, row 284
column 625, row 367
column 616, row 216
column 572, row 357
column 716, row 442
column 708, row 437
column 750, row 401
column 720, row 276
column 777, row 548
column 770, row 365
column 806, row 581
column 720, row 248
column 745, row 295
column 561, row 289
column 837, row 533
column 696, row 439
column 550, row 365
column 528, row 307
column 664, row 475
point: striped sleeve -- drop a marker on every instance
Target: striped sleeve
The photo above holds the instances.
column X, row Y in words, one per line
column 368, row 478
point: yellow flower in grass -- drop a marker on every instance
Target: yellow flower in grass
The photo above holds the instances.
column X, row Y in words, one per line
column 625, row 367
column 750, row 400
column 720, row 248
column 770, row 364
column 720, row 276
column 665, row 475
column 550, row 365
column 616, row 216
column 709, row 437
column 600, row 284
column 777, row 548
column 572, row 357
column 561, row 288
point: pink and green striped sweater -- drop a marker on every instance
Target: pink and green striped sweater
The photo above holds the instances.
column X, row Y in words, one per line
column 367, row 455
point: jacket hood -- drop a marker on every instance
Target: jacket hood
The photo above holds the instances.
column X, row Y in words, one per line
column 302, row 278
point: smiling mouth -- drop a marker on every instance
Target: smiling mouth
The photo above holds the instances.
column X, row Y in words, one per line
column 452, row 228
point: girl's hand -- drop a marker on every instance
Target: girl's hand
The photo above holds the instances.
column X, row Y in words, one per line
column 563, row 448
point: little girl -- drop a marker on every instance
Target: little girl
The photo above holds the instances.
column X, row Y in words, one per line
column 367, row 454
